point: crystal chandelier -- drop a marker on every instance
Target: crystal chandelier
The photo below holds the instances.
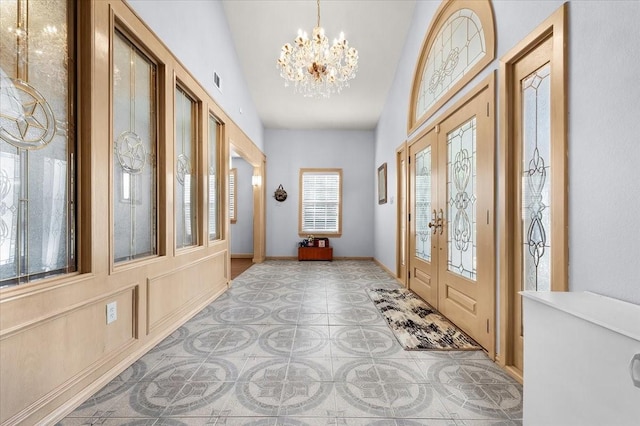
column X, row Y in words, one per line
column 314, row 67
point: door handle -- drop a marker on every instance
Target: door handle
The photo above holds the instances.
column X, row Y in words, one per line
column 633, row 367
column 433, row 225
column 441, row 221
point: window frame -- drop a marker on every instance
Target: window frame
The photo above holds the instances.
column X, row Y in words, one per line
column 301, row 231
column 74, row 95
column 196, row 120
column 484, row 12
column 121, row 29
column 211, row 116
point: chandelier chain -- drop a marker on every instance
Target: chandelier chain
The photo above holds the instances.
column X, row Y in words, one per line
column 318, row 13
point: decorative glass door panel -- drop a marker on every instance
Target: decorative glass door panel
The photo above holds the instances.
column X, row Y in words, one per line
column 37, row 218
column 423, row 204
column 134, row 152
column 461, row 200
column 466, row 280
column 186, row 194
column 423, row 254
column 536, row 180
column 214, row 190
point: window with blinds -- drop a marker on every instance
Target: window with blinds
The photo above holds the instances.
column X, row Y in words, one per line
column 232, row 195
column 320, row 202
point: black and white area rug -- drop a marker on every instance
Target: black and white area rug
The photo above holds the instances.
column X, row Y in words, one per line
column 416, row 324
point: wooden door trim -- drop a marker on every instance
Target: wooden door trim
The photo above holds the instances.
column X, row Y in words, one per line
column 402, row 155
column 488, row 85
column 553, row 27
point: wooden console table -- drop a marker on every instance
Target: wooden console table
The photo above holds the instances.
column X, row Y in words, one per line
column 315, row 253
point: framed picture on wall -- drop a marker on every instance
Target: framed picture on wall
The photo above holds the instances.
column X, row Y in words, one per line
column 382, row 184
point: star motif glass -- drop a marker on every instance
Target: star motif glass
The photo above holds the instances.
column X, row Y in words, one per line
column 37, row 235
column 134, row 152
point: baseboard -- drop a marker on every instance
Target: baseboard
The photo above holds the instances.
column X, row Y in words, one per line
column 387, row 270
column 334, row 258
column 281, row 258
column 352, row 258
column 241, row 255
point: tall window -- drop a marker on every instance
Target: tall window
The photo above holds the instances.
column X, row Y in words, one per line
column 37, row 218
column 214, row 190
column 134, row 151
column 320, row 210
column 186, row 183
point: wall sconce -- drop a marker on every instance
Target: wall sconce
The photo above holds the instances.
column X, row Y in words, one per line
column 256, row 180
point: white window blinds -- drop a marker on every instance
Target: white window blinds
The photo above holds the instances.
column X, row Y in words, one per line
column 320, row 202
column 232, row 195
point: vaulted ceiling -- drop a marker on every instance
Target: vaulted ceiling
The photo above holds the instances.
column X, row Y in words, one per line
column 376, row 28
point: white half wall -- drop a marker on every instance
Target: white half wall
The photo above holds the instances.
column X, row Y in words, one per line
column 287, row 152
column 604, row 134
column 198, row 34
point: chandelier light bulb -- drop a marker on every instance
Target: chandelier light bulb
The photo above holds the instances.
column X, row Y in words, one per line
column 315, row 68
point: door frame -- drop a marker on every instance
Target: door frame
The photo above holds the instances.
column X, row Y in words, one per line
column 553, row 27
column 488, row 83
column 402, row 155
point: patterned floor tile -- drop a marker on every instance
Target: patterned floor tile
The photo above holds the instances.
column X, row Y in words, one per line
column 300, row 343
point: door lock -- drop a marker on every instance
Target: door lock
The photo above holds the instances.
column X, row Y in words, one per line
column 434, row 222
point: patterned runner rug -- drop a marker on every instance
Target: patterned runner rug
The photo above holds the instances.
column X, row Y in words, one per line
column 416, row 324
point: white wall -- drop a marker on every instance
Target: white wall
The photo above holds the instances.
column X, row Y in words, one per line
column 290, row 150
column 604, row 129
column 242, row 230
column 198, row 34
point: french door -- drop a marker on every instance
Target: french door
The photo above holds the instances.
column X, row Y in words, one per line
column 452, row 249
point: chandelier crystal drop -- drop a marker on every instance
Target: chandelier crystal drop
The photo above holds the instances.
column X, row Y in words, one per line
column 315, row 68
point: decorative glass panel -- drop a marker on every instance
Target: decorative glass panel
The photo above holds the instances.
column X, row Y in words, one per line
column 459, row 45
column 536, row 180
column 423, row 204
column 37, row 223
column 214, row 222
column 461, row 199
column 134, row 152
column 186, row 195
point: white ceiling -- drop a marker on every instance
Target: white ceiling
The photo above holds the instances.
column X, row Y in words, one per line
column 377, row 28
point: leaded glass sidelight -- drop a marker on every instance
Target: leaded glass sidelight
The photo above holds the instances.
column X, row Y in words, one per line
column 37, row 217
column 186, row 206
column 536, row 180
column 134, row 152
column 461, row 200
column 214, row 189
column 423, row 204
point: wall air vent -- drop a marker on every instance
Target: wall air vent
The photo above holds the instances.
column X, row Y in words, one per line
column 217, row 81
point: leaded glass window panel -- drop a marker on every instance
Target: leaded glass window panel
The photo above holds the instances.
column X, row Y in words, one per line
column 458, row 46
column 186, row 194
column 134, row 152
column 536, row 180
column 423, row 204
column 461, row 200
column 37, row 218
column 214, row 190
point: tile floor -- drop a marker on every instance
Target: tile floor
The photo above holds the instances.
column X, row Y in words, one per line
column 300, row 343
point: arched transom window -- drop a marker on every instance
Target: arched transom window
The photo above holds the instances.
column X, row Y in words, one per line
column 458, row 45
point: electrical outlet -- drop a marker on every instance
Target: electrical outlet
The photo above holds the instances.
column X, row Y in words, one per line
column 112, row 312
